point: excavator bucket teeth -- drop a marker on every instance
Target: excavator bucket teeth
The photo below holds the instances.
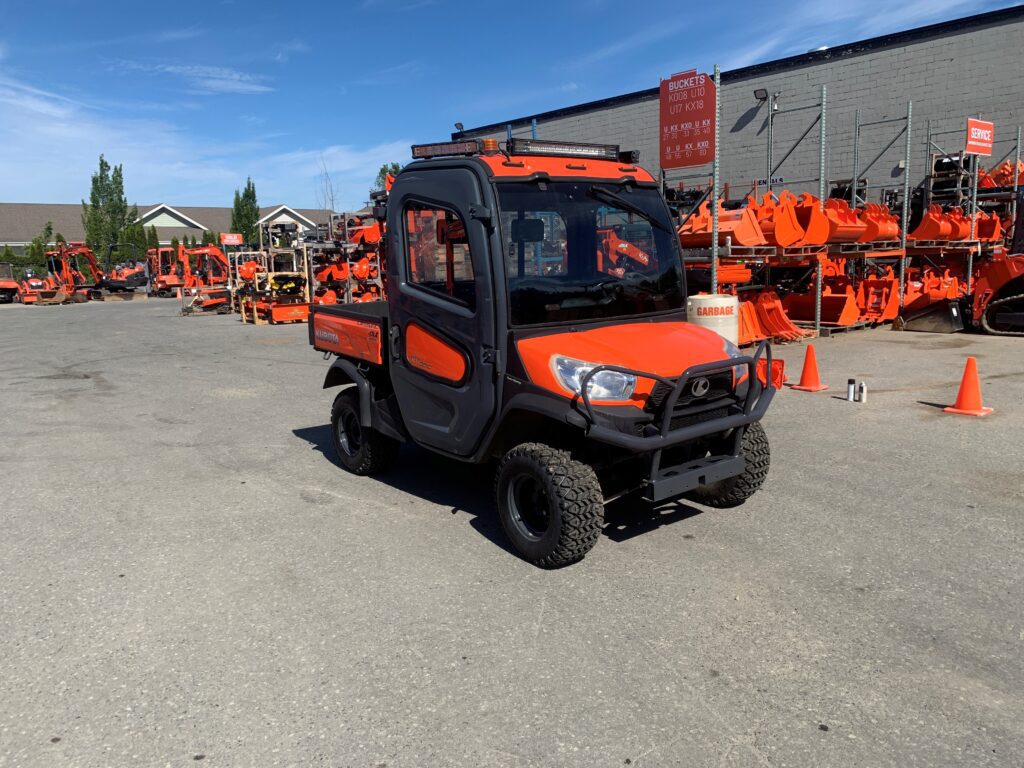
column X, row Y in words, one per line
column 777, row 219
column 774, row 320
column 843, row 224
column 739, row 225
column 812, row 220
column 838, row 305
column 881, row 225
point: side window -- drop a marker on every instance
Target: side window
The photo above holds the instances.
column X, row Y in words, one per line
column 438, row 252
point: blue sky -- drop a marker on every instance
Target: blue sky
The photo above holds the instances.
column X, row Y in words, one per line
column 192, row 97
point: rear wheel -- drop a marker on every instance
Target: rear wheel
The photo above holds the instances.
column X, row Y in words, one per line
column 551, row 506
column 733, row 491
column 361, row 450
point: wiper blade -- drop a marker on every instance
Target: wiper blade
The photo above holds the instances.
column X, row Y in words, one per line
column 608, row 196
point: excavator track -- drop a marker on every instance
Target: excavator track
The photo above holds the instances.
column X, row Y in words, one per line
column 1005, row 316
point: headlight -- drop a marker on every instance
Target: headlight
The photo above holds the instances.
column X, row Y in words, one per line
column 604, row 385
column 738, row 371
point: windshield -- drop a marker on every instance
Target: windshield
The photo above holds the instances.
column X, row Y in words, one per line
column 586, row 251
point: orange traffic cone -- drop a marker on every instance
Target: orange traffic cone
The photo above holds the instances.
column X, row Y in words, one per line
column 968, row 399
column 809, row 380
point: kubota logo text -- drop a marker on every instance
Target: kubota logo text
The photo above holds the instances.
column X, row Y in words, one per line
column 329, row 336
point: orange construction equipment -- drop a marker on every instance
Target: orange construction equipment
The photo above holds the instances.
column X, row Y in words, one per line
column 878, row 297
column 777, row 218
column 740, row 225
column 838, row 304
column 987, row 227
column 1003, row 176
column 9, row 288
column 773, row 319
column 843, row 224
column 934, row 225
column 881, row 225
column 925, row 286
column 810, row 381
column 751, row 331
column 968, row 398
column 812, row 220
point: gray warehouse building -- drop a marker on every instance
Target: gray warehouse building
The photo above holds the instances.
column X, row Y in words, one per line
column 970, row 67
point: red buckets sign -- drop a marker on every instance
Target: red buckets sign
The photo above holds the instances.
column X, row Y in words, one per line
column 687, row 120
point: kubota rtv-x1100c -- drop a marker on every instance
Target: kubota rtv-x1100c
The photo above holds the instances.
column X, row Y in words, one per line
column 535, row 312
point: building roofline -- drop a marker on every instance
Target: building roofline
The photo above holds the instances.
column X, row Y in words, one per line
column 292, row 212
column 1013, row 13
column 179, row 214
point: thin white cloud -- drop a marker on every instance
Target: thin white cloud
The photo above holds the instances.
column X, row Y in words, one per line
column 625, row 46
column 175, row 35
column 51, row 145
column 203, row 78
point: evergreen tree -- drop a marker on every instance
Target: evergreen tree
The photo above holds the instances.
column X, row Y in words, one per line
column 8, row 255
column 106, row 215
column 209, row 238
column 245, row 213
column 35, row 251
column 152, row 239
column 382, row 176
column 174, row 246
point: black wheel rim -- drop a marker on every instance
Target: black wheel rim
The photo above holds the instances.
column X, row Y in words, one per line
column 350, row 435
column 529, row 507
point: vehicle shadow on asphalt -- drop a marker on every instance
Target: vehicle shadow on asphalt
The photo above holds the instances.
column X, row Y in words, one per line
column 469, row 488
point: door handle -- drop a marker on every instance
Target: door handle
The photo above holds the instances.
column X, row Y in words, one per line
column 394, row 335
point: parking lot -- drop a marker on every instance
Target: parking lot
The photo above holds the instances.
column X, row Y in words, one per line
column 188, row 576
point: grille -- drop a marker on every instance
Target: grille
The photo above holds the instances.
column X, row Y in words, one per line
column 721, row 385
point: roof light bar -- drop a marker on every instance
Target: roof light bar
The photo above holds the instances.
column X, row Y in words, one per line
column 423, row 151
column 563, row 149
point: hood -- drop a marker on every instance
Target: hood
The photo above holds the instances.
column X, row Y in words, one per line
column 666, row 349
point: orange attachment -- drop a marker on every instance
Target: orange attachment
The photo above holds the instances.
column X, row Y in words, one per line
column 934, row 225
column 961, row 225
column 968, row 398
column 812, row 220
column 432, row 355
column 740, row 225
column 881, row 225
column 838, row 304
column 1003, row 176
column 987, row 227
column 843, row 224
column 810, row 381
column 777, row 219
column 926, row 286
column 774, row 320
column 878, row 297
column 751, row 331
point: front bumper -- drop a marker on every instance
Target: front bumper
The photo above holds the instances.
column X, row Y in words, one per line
column 664, row 483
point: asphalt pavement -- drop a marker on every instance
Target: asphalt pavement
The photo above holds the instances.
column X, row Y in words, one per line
column 186, row 576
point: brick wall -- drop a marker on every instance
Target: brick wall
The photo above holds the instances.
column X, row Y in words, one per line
column 974, row 72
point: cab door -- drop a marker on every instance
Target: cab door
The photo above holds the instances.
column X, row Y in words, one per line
column 442, row 307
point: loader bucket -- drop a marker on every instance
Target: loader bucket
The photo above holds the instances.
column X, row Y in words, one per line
column 812, row 220
column 880, row 224
column 987, row 227
column 838, row 305
column 878, row 298
column 934, row 225
column 52, row 296
column 774, row 320
column 926, row 287
column 740, row 225
column 843, row 224
column 777, row 219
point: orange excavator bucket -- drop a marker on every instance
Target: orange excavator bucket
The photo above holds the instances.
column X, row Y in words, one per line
column 961, row 225
column 774, row 320
column 878, row 297
column 740, row 225
column 751, row 331
column 777, row 219
column 934, row 225
column 881, row 225
column 811, row 219
column 987, row 227
column 925, row 287
column 843, row 224
column 838, row 304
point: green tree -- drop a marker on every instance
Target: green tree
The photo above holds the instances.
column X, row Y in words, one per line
column 152, row 238
column 106, row 215
column 174, row 246
column 209, row 238
column 8, row 255
column 35, row 251
column 382, row 176
column 245, row 213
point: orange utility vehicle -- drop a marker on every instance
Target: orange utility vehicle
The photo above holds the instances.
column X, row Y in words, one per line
column 166, row 271
column 9, row 288
column 516, row 326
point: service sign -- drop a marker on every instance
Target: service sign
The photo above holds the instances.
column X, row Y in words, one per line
column 231, row 238
column 687, row 120
column 980, row 137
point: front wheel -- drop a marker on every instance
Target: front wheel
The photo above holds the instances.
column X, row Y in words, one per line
column 551, row 506
column 361, row 450
column 733, row 491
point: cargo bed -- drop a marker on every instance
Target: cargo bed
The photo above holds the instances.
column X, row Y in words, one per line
column 355, row 331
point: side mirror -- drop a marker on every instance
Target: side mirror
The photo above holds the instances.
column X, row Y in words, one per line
column 527, row 230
